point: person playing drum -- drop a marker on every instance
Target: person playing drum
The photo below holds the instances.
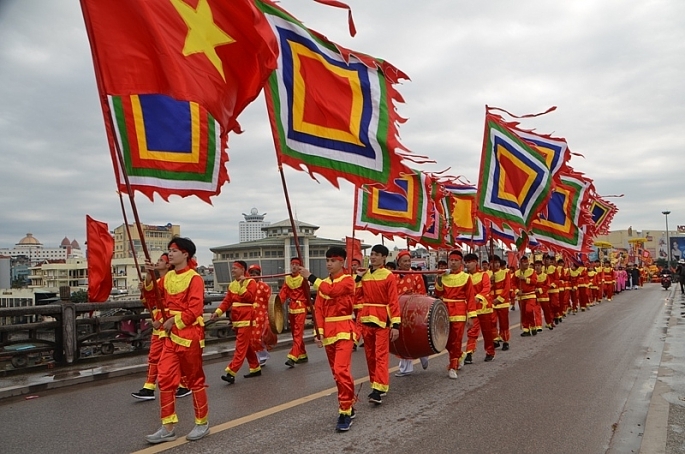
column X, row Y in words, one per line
column 409, row 284
column 456, row 290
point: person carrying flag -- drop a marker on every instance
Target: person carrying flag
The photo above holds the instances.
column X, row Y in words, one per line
column 182, row 296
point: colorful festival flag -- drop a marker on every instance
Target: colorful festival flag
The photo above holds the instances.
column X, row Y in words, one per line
column 562, row 224
column 332, row 109
column 602, row 212
column 168, row 146
column 465, row 227
column 515, row 181
column 401, row 210
column 436, row 230
column 100, row 246
column 211, row 56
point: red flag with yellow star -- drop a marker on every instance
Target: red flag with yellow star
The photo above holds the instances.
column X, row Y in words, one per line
column 173, row 77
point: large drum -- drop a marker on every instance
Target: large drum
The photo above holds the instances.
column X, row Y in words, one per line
column 276, row 314
column 424, row 329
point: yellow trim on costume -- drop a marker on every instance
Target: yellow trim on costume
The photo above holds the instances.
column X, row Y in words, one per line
column 176, row 339
column 336, row 338
column 373, row 319
column 294, row 282
column 241, row 323
column 297, row 311
column 172, row 419
column 179, row 322
column 339, row 318
column 177, row 283
column 380, row 387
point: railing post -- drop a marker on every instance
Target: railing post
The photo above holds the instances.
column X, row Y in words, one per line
column 69, row 340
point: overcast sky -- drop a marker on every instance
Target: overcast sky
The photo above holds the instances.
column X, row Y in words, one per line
column 614, row 68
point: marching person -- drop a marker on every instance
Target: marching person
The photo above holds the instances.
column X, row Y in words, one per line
column 564, row 288
column 380, row 318
column 501, row 288
column 240, row 300
column 333, row 311
column 484, row 310
column 355, row 263
column 456, row 291
column 543, row 287
column 554, row 292
column 147, row 392
column 409, row 284
column 182, row 293
column 583, row 288
column 260, row 322
column 295, row 292
column 525, row 281
column 608, row 273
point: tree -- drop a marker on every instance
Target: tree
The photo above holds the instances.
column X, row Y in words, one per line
column 19, row 282
column 79, row 296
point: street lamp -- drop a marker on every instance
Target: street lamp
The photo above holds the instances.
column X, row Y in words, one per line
column 668, row 243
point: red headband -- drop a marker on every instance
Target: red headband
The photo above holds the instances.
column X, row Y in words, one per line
column 296, row 260
column 402, row 254
column 165, row 257
column 239, row 264
column 457, row 253
column 337, row 257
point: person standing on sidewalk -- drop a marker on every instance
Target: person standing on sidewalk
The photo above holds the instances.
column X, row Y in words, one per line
column 333, row 311
column 182, row 291
column 380, row 318
column 409, row 284
column 156, row 344
column 240, row 300
column 295, row 293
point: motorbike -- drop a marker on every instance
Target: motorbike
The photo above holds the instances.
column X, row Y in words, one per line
column 666, row 281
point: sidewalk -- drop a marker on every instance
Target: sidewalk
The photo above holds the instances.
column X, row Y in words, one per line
column 665, row 425
column 43, row 379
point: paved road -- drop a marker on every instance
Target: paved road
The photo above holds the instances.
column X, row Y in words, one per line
column 583, row 388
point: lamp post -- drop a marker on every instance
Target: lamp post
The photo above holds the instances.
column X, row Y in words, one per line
column 668, row 243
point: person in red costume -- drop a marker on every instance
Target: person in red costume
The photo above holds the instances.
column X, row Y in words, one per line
column 564, row 289
column 501, row 289
column 554, row 288
column 408, row 284
column 156, row 344
column 260, row 322
column 525, row 280
column 380, row 319
column 333, row 311
column 609, row 280
column 483, row 322
column 543, row 288
column 456, row 291
column 182, row 296
column 240, row 300
column 295, row 293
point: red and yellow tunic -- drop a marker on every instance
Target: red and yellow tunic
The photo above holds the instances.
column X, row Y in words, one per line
column 240, row 299
column 592, row 278
column 295, row 288
column 553, row 278
column 333, row 308
column 458, row 293
column 575, row 277
column 543, row 287
column 608, row 274
column 183, row 295
column 525, row 283
column 501, row 288
column 379, row 299
column 260, row 317
column 481, row 286
column 410, row 284
column 583, row 279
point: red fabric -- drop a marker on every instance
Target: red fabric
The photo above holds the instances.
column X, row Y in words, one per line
column 339, row 359
column 353, row 247
column 240, row 313
column 377, row 351
column 298, row 350
column 260, row 319
column 243, row 350
column 454, row 343
column 177, row 362
column 378, row 287
column 409, row 284
column 335, row 298
column 503, row 321
column 472, row 336
column 100, row 248
column 481, row 325
column 156, row 346
column 138, row 47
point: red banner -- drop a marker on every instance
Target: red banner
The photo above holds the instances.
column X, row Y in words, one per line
column 100, row 249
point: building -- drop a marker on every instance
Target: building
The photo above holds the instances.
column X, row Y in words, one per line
column 654, row 242
column 31, row 248
column 125, row 275
column 156, row 238
column 252, row 227
column 51, row 275
column 273, row 253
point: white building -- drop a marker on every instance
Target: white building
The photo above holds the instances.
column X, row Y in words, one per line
column 251, row 228
column 30, row 247
column 51, row 276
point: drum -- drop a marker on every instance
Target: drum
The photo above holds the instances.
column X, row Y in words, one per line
column 276, row 314
column 424, row 329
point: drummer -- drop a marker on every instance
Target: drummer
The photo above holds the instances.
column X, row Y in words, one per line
column 408, row 284
column 260, row 317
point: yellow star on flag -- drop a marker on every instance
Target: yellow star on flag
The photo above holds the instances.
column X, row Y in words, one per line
column 204, row 36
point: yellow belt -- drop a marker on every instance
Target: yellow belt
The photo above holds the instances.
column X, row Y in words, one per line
column 339, row 318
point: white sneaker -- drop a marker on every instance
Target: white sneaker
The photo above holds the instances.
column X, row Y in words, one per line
column 402, row 374
column 199, row 431
column 161, row 436
column 452, row 374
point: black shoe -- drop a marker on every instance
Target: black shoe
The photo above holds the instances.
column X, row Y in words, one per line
column 228, row 378
column 253, row 374
column 302, row 360
column 144, row 394
column 375, row 397
column 344, row 423
column 539, row 330
column 525, row 334
column 550, row 326
column 497, row 344
column 505, row 346
column 468, row 359
column 290, row 363
column 489, row 358
column 534, row 332
column 183, row 392
column 354, row 347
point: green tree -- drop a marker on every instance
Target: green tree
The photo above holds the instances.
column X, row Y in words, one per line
column 79, row 296
column 19, row 282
